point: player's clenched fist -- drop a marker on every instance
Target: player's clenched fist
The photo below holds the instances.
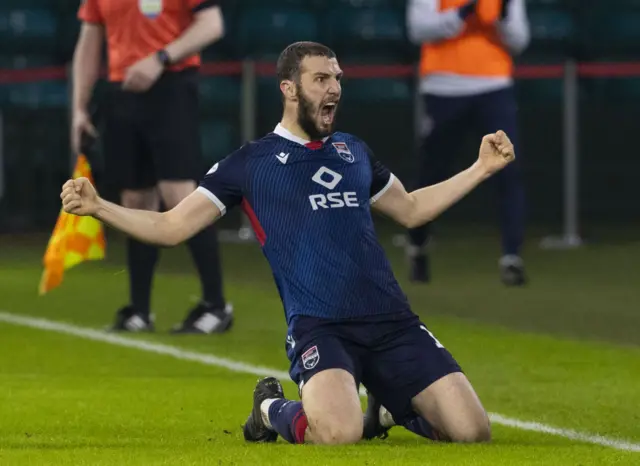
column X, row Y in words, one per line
column 79, row 197
column 496, row 152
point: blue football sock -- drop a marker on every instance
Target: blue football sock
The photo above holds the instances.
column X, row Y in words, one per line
column 288, row 419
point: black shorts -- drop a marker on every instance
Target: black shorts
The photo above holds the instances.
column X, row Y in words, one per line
column 394, row 356
column 152, row 136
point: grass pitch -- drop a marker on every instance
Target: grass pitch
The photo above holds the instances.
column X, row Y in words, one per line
column 562, row 352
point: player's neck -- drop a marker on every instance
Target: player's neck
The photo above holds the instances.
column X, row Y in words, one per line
column 291, row 125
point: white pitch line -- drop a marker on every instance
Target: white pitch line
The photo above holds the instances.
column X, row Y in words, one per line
column 238, row 366
column 567, row 433
column 127, row 342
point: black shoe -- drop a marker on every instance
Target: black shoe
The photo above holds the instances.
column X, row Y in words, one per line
column 206, row 319
column 512, row 271
column 372, row 426
column 255, row 430
column 127, row 320
column 420, row 270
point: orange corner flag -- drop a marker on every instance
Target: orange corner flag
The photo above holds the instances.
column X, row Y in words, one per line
column 74, row 240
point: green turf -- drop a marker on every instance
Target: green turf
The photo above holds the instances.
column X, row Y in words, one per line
column 562, row 352
column 90, row 403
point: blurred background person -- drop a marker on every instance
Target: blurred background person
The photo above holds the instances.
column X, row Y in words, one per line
column 466, row 83
column 151, row 137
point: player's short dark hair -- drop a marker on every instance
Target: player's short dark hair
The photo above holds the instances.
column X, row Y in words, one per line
column 288, row 66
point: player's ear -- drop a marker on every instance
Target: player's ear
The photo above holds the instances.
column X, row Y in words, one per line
column 289, row 90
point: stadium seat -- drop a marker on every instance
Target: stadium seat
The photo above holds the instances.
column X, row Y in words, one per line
column 362, row 34
column 553, row 33
column 52, row 94
column 28, row 23
column 27, row 30
column 268, row 30
column 551, row 25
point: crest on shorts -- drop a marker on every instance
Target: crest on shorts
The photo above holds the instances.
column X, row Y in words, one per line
column 343, row 151
column 150, row 8
column 310, row 358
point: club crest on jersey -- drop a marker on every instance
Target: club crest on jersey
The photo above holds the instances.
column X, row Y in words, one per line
column 310, row 358
column 150, row 8
column 343, row 151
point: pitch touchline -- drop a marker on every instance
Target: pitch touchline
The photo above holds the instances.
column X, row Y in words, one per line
column 238, row 366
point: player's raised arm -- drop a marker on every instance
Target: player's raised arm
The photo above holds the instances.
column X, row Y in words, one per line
column 166, row 229
column 424, row 205
column 221, row 189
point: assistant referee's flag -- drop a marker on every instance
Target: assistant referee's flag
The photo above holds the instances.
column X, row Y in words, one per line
column 74, row 240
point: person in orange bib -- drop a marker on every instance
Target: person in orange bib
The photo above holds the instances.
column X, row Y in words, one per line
column 150, row 135
column 466, row 72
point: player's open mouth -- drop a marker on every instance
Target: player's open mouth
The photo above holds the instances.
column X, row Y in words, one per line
column 328, row 112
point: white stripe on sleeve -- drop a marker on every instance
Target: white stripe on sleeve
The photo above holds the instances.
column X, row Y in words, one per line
column 379, row 194
column 214, row 199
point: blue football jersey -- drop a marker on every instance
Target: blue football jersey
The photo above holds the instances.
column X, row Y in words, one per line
column 309, row 205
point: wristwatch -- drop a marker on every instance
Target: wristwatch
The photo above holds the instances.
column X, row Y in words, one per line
column 163, row 57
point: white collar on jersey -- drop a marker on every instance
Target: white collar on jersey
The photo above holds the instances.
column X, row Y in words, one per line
column 285, row 133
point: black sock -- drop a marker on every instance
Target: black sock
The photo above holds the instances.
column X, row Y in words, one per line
column 204, row 250
column 418, row 236
column 142, row 259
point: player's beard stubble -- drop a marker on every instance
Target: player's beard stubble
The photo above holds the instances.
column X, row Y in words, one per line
column 310, row 120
